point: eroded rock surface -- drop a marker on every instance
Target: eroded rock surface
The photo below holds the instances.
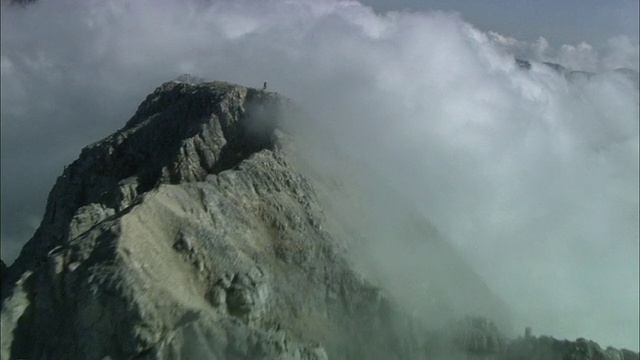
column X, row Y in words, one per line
column 191, row 233
column 188, row 235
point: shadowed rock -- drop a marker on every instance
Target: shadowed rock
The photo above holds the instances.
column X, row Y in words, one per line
column 191, row 233
column 187, row 234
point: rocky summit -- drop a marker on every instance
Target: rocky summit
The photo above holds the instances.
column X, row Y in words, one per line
column 195, row 232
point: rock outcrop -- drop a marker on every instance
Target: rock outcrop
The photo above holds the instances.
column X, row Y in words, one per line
column 188, row 235
column 580, row 75
column 191, row 233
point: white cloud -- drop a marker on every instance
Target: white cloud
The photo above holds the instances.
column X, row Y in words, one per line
column 580, row 57
column 534, row 178
column 621, row 53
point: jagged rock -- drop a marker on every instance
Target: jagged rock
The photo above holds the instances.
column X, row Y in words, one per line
column 187, row 133
column 192, row 234
column 580, row 76
column 526, row 65
column 188, row 234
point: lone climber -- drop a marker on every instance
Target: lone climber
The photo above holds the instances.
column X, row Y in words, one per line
column 264, row 86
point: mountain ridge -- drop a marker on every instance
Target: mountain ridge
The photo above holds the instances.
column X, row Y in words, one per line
column 202, row 164
column 192, row 233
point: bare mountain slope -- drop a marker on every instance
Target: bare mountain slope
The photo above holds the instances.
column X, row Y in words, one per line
column 187, row 234
column 199, row 231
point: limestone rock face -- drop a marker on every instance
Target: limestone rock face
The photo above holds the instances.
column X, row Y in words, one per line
column 195, row 232
column 188, row 234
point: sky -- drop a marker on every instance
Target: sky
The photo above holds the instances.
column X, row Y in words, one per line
column 560, row 22
column 534, row 178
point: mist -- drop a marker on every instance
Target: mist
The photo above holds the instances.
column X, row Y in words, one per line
column 533, row 178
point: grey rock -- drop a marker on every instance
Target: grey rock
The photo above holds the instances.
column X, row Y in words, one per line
column 246, row 296
column 195, row 232
column 218, row 296
column 183, row 243
column 527, row 64
column 580, row 76
column 189, row 234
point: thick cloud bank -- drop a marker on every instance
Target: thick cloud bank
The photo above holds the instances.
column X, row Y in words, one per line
column 533, row 177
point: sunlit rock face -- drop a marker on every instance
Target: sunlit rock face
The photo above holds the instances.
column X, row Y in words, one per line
column 198, row 231
column 189, row 235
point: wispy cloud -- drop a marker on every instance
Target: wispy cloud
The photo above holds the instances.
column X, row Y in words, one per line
column 534, row 178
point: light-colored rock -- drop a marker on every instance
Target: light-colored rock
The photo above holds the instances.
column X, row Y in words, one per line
column 195, row 232
column 188, row 234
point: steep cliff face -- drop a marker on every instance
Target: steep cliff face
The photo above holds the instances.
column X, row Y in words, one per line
column 197, row 231
column 187, row 234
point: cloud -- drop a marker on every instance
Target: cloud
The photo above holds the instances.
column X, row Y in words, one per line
column 621, row 53
column 617, row 52
column 532, row 177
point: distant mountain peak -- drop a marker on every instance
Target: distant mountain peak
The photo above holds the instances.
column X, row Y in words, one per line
column 192, row 233
column 188, row 234
column 579, row 75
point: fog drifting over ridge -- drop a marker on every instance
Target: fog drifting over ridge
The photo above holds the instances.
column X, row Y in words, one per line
column 533, row 178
